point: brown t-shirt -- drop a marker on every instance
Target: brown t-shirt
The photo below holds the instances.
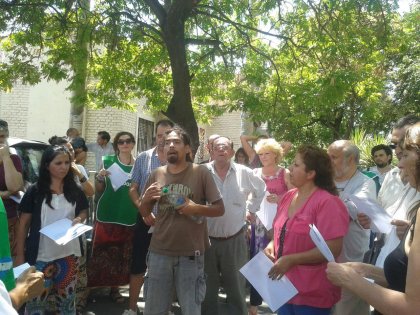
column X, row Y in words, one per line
column 178, row 234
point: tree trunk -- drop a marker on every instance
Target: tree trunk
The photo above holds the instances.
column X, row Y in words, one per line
column 78, row 99
column 180, row 107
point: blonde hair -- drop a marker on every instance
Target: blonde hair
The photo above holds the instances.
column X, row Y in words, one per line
column 270, row 145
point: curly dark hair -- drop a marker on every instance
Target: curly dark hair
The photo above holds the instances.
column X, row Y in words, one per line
column 70, row 187
column 317, row 159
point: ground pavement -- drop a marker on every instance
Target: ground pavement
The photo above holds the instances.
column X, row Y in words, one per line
column 101, row 304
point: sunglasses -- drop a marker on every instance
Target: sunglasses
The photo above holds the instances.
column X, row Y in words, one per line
column 126, row 141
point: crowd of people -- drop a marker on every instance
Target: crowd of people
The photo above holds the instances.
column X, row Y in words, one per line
column 183, row 230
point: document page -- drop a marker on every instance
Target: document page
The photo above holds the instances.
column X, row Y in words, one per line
column 117, row 176
column 274, row 292
column 320, row 243
column 17, row 271
column 380, row 219
column 267, row 212
column 63, row 232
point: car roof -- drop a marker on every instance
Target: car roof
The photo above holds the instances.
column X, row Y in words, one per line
column 23, row 143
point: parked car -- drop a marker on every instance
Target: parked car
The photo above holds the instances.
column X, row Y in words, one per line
column 30, row 153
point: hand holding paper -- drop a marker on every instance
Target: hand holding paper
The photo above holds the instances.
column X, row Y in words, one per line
column 267, row 212
column 63, row 231
column 117, row 176
column 274, row 292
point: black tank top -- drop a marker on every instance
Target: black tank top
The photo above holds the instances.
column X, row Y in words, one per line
column 395, row 265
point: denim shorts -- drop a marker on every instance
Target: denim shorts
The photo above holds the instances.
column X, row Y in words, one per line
column 185, row 274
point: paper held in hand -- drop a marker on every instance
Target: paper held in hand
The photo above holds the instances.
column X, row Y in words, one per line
column 117, row 176
column 274, row 292
column 62, row 231
column 267, row 212
column 320, row 243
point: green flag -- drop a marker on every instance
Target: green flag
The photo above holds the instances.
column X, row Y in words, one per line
column 6, row 264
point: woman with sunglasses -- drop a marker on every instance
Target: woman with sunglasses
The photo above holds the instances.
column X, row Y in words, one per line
column 55, row 196
column 115, row 220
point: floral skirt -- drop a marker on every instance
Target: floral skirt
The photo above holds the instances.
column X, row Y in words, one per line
column 60, row 282
column 110, row 260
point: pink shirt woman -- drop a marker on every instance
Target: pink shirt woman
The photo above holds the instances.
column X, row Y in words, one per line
column 314, row 201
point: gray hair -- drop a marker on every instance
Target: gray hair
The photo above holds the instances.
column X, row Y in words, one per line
column 349, row 149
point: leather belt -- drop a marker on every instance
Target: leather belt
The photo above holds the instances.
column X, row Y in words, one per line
column 224, row 238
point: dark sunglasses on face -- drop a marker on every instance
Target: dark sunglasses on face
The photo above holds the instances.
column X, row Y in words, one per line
column 126, row 141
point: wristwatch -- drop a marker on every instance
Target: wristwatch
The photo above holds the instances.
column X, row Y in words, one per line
column 83, row 179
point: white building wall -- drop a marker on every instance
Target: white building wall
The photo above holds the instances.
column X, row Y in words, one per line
column 36, row 112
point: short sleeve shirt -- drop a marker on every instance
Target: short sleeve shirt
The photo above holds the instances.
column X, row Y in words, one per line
column 177, row 234
column 330, row 216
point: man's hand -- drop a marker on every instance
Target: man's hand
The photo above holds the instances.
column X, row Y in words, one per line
column 188, row 207
column 150, row 219
column 402, row 226
column 152, row 193
column 29, row 285
column 364, row 220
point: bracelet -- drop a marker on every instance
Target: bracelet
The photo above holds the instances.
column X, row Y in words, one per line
column 83, row 179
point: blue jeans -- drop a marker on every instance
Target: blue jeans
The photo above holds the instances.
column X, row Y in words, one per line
column 166, row 273
column 291, row 309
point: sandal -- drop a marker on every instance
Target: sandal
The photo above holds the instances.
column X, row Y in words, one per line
column 116, row 296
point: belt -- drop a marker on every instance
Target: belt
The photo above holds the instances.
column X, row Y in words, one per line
column 223, row 238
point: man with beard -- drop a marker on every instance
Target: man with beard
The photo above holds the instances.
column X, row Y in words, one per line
column 146, row 162
column 382, row 156
column 185, row 193
column 350, row 181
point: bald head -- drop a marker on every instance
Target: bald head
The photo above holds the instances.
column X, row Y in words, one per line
column 344, row 156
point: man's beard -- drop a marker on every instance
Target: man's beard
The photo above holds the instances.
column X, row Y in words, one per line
column 381, row 165
column 173, row 158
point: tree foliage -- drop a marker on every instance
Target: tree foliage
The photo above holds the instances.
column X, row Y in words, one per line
column 313, row 69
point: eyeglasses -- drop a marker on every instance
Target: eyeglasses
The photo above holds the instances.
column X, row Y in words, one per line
column 126, row 141
column 223, row 147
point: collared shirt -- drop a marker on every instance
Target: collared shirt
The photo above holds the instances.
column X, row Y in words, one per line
column 392, row 187
column 146, row 162
column 240, row 182
column 356, row 241
column 100, row 152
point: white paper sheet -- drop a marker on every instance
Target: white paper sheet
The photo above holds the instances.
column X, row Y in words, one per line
column 17, row 271
column 380, row 219
column 274, row 292
column 62, row 231
column 17, row 197
column 267, row 212
column 320, row 243
column 117, row 176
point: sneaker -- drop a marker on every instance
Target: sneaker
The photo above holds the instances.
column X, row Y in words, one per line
column 129, row 312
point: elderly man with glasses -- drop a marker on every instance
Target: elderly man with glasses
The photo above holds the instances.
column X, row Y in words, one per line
column 242, row 191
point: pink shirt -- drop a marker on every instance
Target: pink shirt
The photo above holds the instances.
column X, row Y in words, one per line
column 330, row 216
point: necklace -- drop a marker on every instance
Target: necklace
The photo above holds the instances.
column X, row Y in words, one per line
column 348, row 182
